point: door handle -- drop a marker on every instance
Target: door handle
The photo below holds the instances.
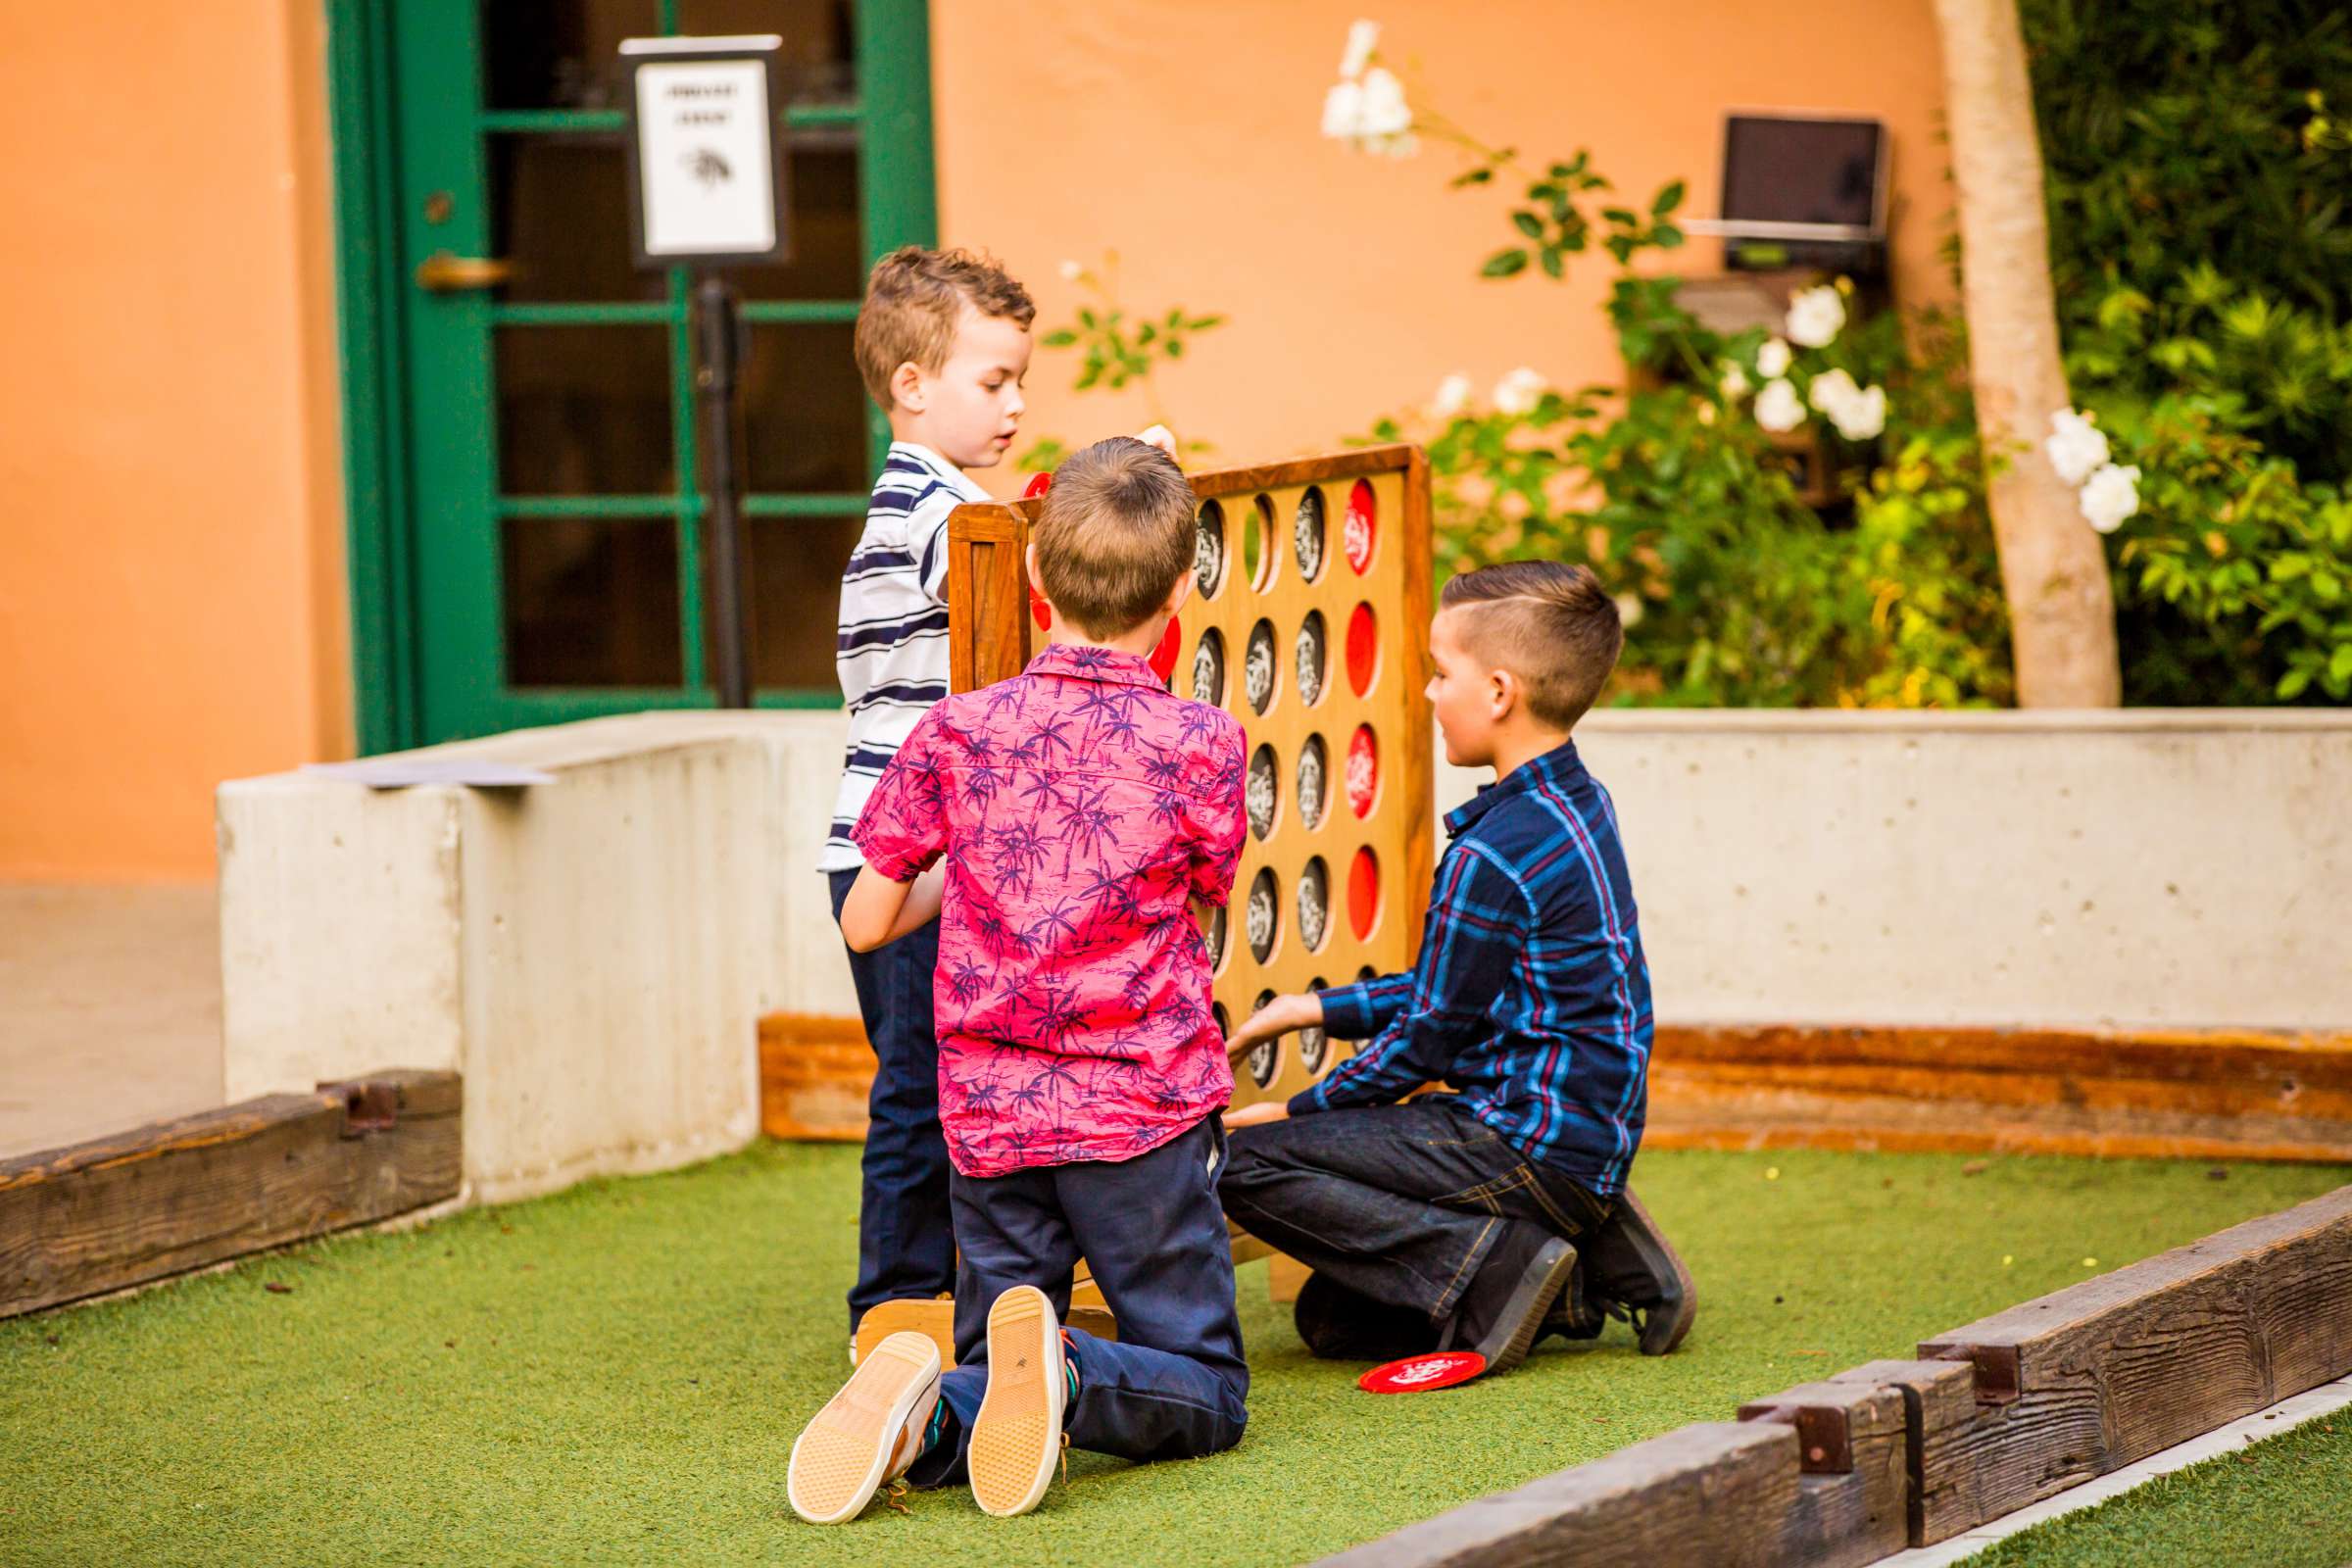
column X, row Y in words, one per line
column 444, row 273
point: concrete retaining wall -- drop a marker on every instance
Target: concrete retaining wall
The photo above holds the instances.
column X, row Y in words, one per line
column 2162, row 869
column 593, row 953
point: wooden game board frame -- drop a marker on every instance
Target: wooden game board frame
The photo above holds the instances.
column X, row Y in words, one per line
column 992, row 635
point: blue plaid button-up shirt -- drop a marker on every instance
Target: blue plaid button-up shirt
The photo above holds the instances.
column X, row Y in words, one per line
column 1530, row 997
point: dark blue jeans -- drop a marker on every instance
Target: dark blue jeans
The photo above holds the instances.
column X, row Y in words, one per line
column 1395, row 1207
column 1172, row 1386
column 906, row 1242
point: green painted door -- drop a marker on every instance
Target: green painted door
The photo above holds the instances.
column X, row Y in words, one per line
column 537, row 551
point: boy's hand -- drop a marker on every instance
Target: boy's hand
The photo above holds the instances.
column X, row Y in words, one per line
column 1257, row 1115
column 1160, row 437
column 1302, row 1010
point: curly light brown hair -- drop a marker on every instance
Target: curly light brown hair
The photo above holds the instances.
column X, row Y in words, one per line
column 913, row 300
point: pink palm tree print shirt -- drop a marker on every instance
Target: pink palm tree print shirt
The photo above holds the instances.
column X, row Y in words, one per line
column 1079, row 805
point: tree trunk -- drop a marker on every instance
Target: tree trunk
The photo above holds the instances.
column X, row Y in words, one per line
column 2053, row 568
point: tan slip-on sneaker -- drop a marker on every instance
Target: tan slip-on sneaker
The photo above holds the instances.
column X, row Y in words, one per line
column 1016, row 1437
column 867, row 1434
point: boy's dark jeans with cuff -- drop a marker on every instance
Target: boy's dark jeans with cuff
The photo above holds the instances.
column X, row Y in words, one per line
column 1398, row 1210
column 906, row 1240
column 1173, row 1385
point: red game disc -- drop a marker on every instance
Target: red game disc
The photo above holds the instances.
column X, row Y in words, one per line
column 1163, row 658
column 1355, row 535
column 1038, row 486
column 1418, row 1374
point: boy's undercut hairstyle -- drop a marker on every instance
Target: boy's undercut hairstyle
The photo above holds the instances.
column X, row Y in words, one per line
column 1115, row 535
column 1547, row 622
column 912, row 299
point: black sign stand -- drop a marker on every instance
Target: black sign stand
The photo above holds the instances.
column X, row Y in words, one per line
column 718, row 342
column 719, row 335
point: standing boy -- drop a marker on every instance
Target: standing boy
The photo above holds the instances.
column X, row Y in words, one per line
column 942, row 344
column 1454, row 1221
column 1080, row 808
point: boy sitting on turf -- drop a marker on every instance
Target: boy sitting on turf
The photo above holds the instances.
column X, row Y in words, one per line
column 1454, row 1221
column 1079, row 808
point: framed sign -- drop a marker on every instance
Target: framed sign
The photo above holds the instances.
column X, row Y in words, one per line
column 705, row 170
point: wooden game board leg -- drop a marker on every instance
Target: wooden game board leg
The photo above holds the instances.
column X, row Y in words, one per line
column 1284, row 1276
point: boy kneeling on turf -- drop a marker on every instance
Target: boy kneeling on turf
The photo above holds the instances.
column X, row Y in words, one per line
column 1079, row 808
column 1456, row 1221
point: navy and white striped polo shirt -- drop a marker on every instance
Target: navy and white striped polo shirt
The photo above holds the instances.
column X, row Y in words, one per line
column 891, row 649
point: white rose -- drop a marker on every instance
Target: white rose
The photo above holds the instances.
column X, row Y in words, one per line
column 2077, row 447
column 1777, row 407
column 2109, row 496
column 1628, row 609
column 1343, row 110
column 1520, row 391
column 1734, row 383
column 1454, row 396
column 1384, row 110
column 1831, row 390
column 1863, row 416
column 1772, row 359
column 1363, row 38
column 1815, row 317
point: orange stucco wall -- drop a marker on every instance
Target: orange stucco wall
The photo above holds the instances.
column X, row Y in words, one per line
column 170, row 573
column 172, row 600
column 1185, row 136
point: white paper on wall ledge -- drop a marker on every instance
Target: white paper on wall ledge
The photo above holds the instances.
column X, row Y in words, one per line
column 400, row 772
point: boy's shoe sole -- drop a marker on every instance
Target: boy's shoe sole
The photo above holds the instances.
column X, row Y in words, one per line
column 1539, row 1284
column 1016, row 1437
column 846, row 1450
column 1664, row 1322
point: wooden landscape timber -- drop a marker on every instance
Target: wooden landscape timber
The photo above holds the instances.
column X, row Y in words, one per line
column 179, row 1195
column 2180, row 1094
column 2111, row 1094
column 2004, row 1412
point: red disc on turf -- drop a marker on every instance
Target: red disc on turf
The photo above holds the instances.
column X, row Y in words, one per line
column 1163, row 658
column 1417, row 1374
column 1038, row 486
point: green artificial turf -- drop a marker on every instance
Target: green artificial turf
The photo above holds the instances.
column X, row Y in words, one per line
column 2285, row 1502
column 617, row 1373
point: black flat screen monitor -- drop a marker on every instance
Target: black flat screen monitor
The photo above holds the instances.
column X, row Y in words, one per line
column 1779, row 170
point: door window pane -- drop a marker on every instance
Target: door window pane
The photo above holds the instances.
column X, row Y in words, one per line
column 588, row 602
column 560, row 212
column 819, row 60
column 804, row 410
column 795, row 598
column 584, row 411
column 557, row 54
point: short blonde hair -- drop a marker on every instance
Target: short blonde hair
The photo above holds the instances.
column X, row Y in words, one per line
column 1547, row 622
column 912, row 299
column 1115, row 535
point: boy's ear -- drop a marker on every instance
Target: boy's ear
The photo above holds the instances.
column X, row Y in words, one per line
column 1502, row 694
column 1180, row 595
column 1029, row 564
column 906, row 386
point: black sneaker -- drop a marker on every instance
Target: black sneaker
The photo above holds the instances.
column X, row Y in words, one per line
column 1572, row 1316
column 1634, row 1274
column 1503, row 1310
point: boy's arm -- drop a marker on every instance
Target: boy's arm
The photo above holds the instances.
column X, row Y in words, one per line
column 902, row 833
column 879, row 911
column 1364, row 1010
column 1218, row 821
column 1478, row 927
